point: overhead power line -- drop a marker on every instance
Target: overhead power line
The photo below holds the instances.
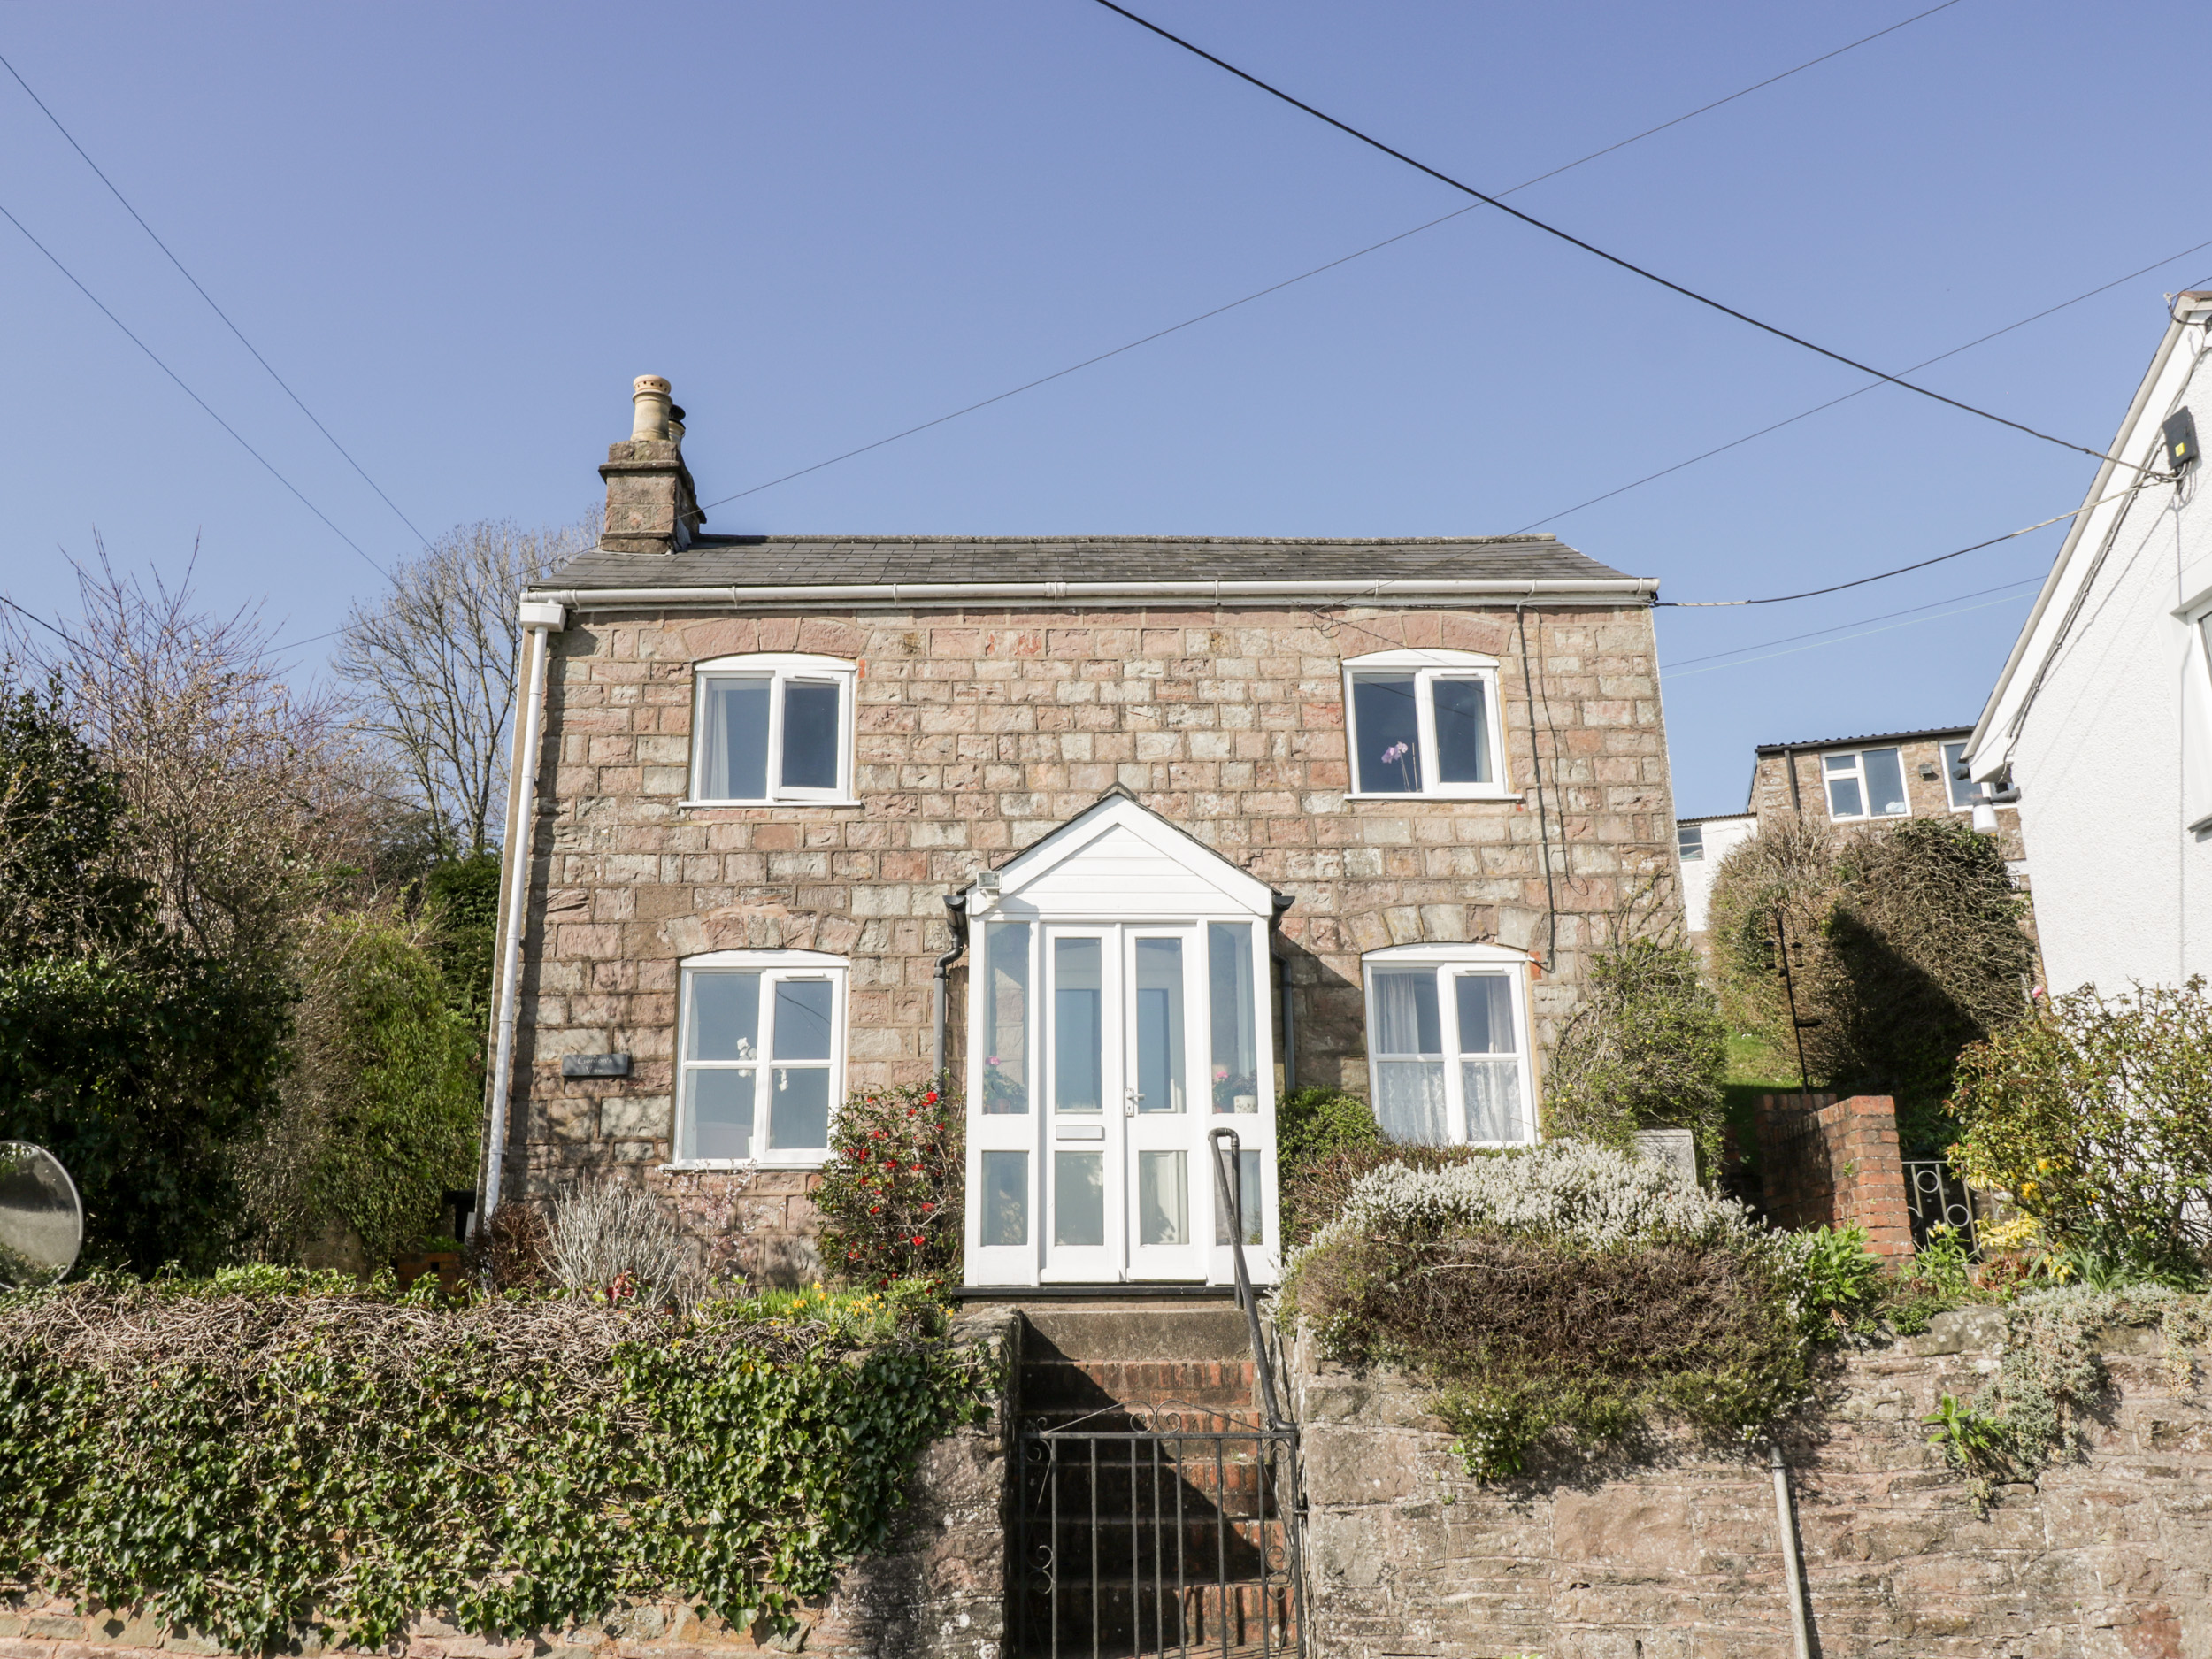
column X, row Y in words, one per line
column 55, row 261
column 1922, row 564
column 1733, row 443
column 1861, row 634
column 210, row 298
column 1361, row 253
column 1814, row 634
column 1592, row 247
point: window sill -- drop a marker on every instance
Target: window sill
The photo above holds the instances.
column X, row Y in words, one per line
column 741, row 1166
column 1440, row 794
column 689, row 805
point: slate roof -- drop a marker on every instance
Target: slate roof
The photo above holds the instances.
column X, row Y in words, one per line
column 808, row 560
column 1809, row 744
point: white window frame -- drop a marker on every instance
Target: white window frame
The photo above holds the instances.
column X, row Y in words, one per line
column 1450, row 963
column 779, row 669
column 1857, row 757
column 1681, row 846
column 1427, row 667
column 774, row 967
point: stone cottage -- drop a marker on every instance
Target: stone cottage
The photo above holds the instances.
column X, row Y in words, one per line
column 1124, row 836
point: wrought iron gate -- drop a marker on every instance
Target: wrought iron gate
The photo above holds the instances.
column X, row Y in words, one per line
column 1158, row 1529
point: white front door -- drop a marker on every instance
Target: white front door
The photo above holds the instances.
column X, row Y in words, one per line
column 1122, row 1100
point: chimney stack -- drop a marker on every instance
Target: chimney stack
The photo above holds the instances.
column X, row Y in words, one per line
column 652, row 506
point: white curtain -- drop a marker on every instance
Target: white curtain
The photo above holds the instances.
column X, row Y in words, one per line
column 1494, row 1099
column 1410, row 1101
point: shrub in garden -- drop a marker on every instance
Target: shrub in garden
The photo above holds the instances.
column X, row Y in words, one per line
column 1906, row 945
column 890, row 1197
column 520, row 1464
column 1561, row 1293
column 617, row 1238
column 1313, row 1192
column 2095, row 1115
column 1645, row 1049
column 381, row 1106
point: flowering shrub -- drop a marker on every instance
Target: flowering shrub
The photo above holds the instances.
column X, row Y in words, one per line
column 2093, row 1116
column 891, row 1193
column 1559, row 1294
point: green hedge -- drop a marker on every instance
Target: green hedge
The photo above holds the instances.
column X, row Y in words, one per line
column 261, row 1454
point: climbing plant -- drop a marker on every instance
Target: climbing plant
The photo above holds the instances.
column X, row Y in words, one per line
column 270, row 1454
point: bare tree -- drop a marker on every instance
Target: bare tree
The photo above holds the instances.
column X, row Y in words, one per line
column 243, row 794
column 436, row 662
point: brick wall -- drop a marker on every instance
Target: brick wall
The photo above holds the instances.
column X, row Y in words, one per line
column 979, row 733
column 1830, row 1163
column 1679, row 1556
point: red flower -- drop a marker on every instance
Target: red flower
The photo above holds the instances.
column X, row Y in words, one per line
column 927, row 1206
column 918, row 1239
column 875, row 1208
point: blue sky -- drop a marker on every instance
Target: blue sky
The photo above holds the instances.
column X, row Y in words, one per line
column 459, row 231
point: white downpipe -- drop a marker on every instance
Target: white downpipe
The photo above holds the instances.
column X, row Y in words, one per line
column 1793, row 1573
column 1617, row 590
column 515, row 904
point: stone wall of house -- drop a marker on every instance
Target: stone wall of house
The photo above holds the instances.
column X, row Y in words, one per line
column 980, row 731
column 2108, row 1558
column 939, row 1591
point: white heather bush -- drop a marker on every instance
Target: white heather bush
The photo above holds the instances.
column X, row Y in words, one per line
column 1564, row 1192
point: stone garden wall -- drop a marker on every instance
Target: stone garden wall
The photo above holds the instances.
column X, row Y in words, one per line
column 938, row 1592
column 2106, row 1558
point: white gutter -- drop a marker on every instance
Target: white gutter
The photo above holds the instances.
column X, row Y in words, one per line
column 539, row 620
column 1612, row 589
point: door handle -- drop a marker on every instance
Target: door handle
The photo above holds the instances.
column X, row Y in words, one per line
column 1130, row 1097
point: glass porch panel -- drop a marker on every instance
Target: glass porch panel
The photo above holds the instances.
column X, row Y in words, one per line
column 1233, row 1012
column 717, row 1114
column 725, row 1016
column 803, row 1010
column 798, row 1112
column 1006, row 1018
column 1493, row 1088
column 1485, row 1004
column 1884, row 770
column 1079, row 1198
column 1163, row 1198
column 1159, row 1024
column 1078, row 1051
column 1005, row 1203
column 734, row 739
column 1463, row 731
column 1255, row 1220
column 1387, row 733
column 810, row 732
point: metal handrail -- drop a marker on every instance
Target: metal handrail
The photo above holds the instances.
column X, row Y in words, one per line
column 1229, row 1183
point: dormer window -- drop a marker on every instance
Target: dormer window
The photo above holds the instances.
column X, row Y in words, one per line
column 773, row 728
column 1425, row 722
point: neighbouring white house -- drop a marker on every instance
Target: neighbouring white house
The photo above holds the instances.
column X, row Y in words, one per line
column 2102, row 718
column 1702, row 842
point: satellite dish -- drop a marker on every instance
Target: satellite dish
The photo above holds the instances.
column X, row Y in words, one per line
column 42, row 1221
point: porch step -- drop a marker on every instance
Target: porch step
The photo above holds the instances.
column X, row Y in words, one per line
column 1134, row 1330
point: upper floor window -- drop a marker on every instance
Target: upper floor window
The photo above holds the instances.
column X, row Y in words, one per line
column 768, row 728
column 1425, row 722
column 760, row 1056
column 1447, row 1045
column 1689, row 841
column 1865, row 783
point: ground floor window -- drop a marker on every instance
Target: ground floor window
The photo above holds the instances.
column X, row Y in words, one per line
column 1448, row 1045
column 760, row 1056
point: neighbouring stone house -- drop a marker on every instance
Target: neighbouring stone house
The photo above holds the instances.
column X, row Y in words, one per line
column 1124, row 835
